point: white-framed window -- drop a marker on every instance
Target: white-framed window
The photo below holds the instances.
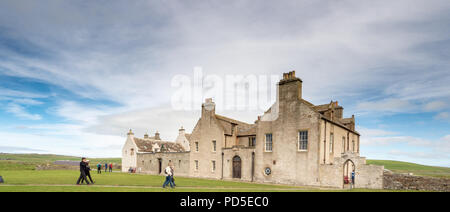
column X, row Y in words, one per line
column 303, row 140
column 331, row 142
column 196, row 165
column 213, row 165
column 214, row 146
column 196, row 146
column 269, row 143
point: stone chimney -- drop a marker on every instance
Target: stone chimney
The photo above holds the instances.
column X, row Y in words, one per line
column 290, row 87
column 209, row 107
column 130, row 133
column 145, row 136
column 157, row 136
column 181, row 131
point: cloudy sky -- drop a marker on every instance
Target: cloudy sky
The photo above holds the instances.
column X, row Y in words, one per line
column 76, row 75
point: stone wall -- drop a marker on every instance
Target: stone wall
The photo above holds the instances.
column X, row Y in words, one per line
column 406, row 182
column 245, row 153
column 149, row 163
column 288, row 163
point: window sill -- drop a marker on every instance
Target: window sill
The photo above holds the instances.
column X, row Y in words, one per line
column 302, row 150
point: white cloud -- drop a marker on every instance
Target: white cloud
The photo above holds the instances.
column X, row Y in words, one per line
column 386, row 105
column 366, row 132
column 435, row 105
column 389, row 140
column 20, row 112
column 442, row 116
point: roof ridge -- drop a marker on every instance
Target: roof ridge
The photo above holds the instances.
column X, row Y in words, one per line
column 224, row 118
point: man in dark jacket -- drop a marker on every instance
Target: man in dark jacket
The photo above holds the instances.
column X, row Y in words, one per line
column 88, row 173
column 82, row 171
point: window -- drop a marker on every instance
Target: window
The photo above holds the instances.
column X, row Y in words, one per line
column 131, row 152
column 269, row 142
column 303, row 140
column 331, row 142
column 353, row 145
column 196, row 165
column 196, row 146
column 343, row 144
column 213, row 166
column 214, row 146
column 252, row 141
column 179, row 163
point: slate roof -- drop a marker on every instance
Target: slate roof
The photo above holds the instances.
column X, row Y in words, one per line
column 146, row 145
column 247, row 131
column 242, row 128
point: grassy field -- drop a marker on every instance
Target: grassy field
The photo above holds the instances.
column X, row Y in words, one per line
column 30, row 161
column 18, row 171
column 64, row 181
column 416, row 169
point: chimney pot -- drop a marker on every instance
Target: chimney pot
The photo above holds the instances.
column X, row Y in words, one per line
column 130, row 132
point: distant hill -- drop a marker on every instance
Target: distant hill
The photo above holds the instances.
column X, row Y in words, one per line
column 416, row 169
column 30, row 161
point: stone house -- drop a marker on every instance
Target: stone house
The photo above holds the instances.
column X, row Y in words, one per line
column 294, row 142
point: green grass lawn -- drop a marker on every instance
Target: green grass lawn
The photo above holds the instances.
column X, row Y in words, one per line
column 64, row 181
column 416, row 169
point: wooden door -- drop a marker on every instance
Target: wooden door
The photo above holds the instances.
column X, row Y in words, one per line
column 236, row 167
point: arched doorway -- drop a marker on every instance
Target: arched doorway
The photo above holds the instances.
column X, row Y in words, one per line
column 348, row 169
column 236, row 167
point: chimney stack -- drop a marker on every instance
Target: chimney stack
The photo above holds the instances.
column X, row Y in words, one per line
column 181, row 131
column 208, row 108
column 157, row 136
column 145, row 136
column 290, row 84
column 130, row 133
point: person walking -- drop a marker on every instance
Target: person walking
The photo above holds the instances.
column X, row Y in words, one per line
column 88, row 174
column 353, row 179
column 82, row 171
column 106, row 167
column 172, row 178
column 99, row 168
column 168, row 172
column 110, row 167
